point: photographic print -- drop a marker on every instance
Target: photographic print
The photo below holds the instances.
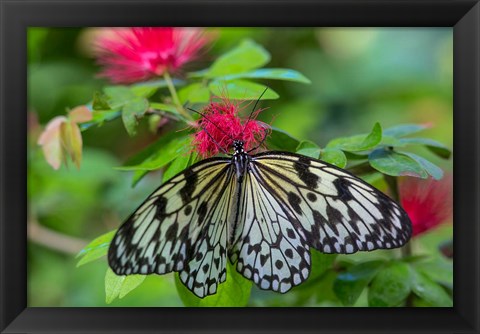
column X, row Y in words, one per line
column 240, row 167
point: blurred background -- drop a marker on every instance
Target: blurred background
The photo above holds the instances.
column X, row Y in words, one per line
column 359, row 76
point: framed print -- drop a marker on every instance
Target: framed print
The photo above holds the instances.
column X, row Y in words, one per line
column 268, row 166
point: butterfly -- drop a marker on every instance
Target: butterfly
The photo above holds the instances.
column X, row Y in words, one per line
column 262, row 212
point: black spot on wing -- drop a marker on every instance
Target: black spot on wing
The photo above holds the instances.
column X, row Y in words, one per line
column 188, row 210
column 295, row 201
column 171, row 233
column 190, row 184
column 202, row 212
column 289, row 253
column 334, row 217
column 312, row 197
column 310, row 179
column 161, row 204
column 291, row 233
column 342, row 188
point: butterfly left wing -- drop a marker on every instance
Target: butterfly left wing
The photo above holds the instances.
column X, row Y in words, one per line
column 181, row 227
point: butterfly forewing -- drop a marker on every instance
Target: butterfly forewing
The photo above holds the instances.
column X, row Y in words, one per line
column 180, row 227
column 338, row 212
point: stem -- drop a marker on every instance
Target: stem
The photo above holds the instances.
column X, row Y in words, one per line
column 174, row 95
column 164, row 114
column 53, row 239
column 406, row 250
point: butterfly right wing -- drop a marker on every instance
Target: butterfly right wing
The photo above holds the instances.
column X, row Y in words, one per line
column 181, row 227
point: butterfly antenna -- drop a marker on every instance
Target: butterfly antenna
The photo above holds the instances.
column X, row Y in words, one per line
column 209, row 135
column 213, row 123
column 261, row 143
column 216, row 143
column 253, row 111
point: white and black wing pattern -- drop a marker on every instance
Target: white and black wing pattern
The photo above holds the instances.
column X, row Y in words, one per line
column 338, row 212
column 266, row 214
column 269, row 245
column 181, row 227
column 291, row 202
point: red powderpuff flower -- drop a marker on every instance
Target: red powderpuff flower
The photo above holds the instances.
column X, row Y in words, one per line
column 427, row 202
column 220, row 125
column 135, row 54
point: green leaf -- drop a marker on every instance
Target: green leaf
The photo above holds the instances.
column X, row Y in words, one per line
column 159, row 154
column 321, row 262
column 160, row 83
column 430, row 291
column 438, row 270
column 242, row 90
column 395, row 164
column 131, row 111
column 177, row 165
column 404, row 130
column 170, row 108
column 429, row 167
column 434, row 146
column 119, row 286
column 245, row 57
column 391, row 286
column 101, row 116
column 271, row 73
column 234, row 292
column 194, row 93
column 154, row 147
column 308, row 148
column 143, row 91
column 348, row 285
column 130, row 283
column 97, row 248
column 282, row 140
column 100, row 102
column 334, row 156
column 137, row 176
column 359, row 142
column 118, row 95
column 390, row 141
column 131, row 101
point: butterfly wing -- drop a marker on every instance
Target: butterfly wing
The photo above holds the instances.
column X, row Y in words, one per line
column 269, row 245
column 182, row 227
column 339, row 212
column 296, row 202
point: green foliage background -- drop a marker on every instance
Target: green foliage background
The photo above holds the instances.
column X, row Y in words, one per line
column 359, row 76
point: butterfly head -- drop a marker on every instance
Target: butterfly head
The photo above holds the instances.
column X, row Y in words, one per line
column 238, row 146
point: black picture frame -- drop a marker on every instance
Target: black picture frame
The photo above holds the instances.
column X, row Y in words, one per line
column 17, row 15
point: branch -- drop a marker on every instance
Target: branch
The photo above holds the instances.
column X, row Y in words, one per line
column 54, row 240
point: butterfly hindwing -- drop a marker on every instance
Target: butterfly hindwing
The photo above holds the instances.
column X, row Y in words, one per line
column 207, row 267
column 338, row 212
column 179, row 228
column 269, row 247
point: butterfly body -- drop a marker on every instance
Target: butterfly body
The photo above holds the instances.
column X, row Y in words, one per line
column 240, row 159
column 263, row 212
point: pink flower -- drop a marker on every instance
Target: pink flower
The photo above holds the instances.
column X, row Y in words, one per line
column 427, row 202
column 220, row 125
column 130, row 55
